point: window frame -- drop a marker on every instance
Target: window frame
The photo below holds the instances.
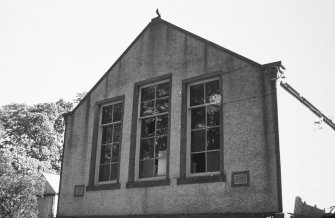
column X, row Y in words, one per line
column 93, row 183
column 186, row 177
column 133, row 177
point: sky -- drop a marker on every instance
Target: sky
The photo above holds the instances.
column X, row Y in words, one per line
column 55, row 49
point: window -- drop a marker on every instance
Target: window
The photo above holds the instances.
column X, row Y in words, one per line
column 204, row 114
column 109, row 141
column 201, row 152
column 149, row 145
column 153, row 119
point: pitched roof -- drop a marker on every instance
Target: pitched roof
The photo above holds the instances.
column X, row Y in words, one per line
column 52, row 183
column 157, row 20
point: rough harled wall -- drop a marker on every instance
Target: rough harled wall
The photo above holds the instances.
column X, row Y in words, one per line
column 249, row 133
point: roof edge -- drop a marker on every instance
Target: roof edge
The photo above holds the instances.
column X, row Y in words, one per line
column 157, row 20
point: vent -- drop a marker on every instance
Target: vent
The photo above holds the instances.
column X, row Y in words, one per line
column 78, row 190
column 240, row 179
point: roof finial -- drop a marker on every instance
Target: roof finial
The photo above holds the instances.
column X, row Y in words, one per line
column 157, row 12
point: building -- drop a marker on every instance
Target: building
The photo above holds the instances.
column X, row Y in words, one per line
column 303, row 210
column 47, row 205
column 178, row 126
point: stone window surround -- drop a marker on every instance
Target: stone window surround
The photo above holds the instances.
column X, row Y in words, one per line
column 134, row 182
column 93, row 184
column 185, row 177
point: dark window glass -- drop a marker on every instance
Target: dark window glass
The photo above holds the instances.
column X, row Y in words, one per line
column 213, row 138
column 196, row 95
column 147, row 108
column 146, row 168
column 212, row 89
column 114, row 171
column 107, row 134
column 198, row 116
column 161, row 146
column 198, row 140
column 213, row 161
column 147, row 148
column 117, row 132
column 117, row 113
column 107, row 114
column 198, row 163
column 148, row 93
column 162, row 105
column 148, row 127
column 106, row 154
column 213, row 115
column 115, row 153
column 162, row 125
column 104, row 172
column 162, row 90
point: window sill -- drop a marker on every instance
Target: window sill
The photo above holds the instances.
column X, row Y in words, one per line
column 202, row 179
column 103, row 187
column 148, row 183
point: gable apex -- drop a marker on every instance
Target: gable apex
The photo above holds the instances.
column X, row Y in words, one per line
column 155, row 21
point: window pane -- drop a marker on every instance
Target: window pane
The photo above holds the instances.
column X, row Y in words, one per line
column 160, row 167
column 213, row 138
column 196, row 94
column 117, row 132
column 212, row 89
column 162, row 105
column 198, row 117
column 107, row 114
column 213, row 161
column 106, row 154
column 115, row 153
column 104, row 172
column 146, row 168
column 107, row 133
column 162, row 90
column 213, row 115
column 148, row 127
column 162, row 125
column 198, row 141
column 147, row 108
column 148, row 93
column 114, row 171
column 117, row 113
column 147, row 148
column 161, row 146
column 198, row 163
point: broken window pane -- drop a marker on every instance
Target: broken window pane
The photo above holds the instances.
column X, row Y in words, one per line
column 198, row 117
column 114, row 171
column 213, row 161
column 146, row 168
column 104, row 172
column 115, row 153
column 213, row 138
column 148, row 93
column 212, row 89
column 107, row 114
column 196, row 95
column 106, row 154
column 147, row 108
column 117, row 113
column 117, row 132
column 148, row 127
column 147, row 148
column 198, row 163
column 162, row 105
column 107, row 134
column 162, row 90
column 213, row 115
column 162, row 125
